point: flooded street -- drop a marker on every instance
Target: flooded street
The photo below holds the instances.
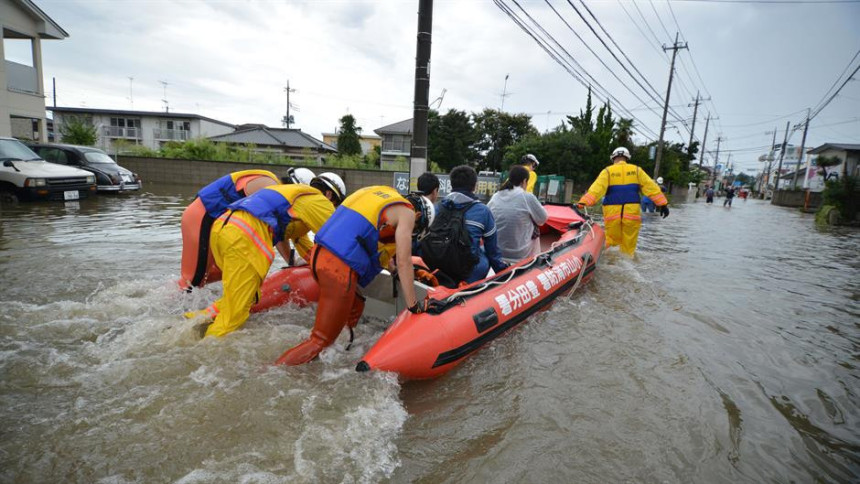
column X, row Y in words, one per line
column 728, row 351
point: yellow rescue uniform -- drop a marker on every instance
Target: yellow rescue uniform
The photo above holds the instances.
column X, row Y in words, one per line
column 243, row 239
column 530, row 187
column 621, row 184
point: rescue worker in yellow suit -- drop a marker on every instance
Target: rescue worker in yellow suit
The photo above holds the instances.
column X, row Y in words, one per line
column 243, row 241
column 372, row 226
column 531, row 162
column 621, row 183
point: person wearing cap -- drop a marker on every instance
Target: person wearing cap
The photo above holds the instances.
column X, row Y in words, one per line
column 198, row 267
column 244, row 239
column 372, row 227
column 621, row 184
column 428, row 186
column 531, row 162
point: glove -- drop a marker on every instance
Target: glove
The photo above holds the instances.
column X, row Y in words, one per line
column 664, row 211
column 416, row 308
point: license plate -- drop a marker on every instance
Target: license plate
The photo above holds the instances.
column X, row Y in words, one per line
column 71, row 195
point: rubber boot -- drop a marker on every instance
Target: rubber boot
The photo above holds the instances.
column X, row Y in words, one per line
column 356, row 311
column 321, row 336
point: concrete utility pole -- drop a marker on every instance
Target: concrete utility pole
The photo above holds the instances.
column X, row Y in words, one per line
column 781, row 156
column 287, row 120
column 54, row 80
column 418, row 152
column 675, row 47
column 802, row 147
column 704, row 140
column 716, row 160
column 769, row 161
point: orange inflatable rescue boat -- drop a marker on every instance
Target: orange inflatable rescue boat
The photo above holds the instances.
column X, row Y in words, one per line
column 461, row 320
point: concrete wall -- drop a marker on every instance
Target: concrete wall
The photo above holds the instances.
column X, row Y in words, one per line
column 200, row 173
column 796, row 198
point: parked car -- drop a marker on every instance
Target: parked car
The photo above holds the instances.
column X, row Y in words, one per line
column 110, row 177
column 26, row 176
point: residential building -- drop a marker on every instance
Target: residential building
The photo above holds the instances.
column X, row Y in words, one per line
column 151, row 129
column 368, row 141
column 290, row 142
column 396, row 143
column 23, row 25
column 848, row 155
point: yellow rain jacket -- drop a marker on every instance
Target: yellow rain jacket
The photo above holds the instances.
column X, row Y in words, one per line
column 621, row 184
column 530, row 187
column 242, row 243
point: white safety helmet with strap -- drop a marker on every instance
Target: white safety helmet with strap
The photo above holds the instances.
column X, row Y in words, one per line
column 335, row 183
column 530, row 158
column 659, row 180
column 300, row 176
column 620, row 151
column 424, row 209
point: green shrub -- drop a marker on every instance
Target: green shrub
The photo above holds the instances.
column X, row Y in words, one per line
column 843, row 194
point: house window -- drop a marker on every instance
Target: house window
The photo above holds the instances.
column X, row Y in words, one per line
column 125, row 122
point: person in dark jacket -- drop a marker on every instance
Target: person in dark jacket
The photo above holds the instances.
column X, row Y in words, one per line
column 478, row 219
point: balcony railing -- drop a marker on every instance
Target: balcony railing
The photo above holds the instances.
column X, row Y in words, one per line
column 120, row 132
column 21, row 78
column 396, row 146
column 170, row 134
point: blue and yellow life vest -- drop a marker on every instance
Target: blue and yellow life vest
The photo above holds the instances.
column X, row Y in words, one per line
column 273, row 206
column 217, row 195
column 623, row 184
column 352, row 232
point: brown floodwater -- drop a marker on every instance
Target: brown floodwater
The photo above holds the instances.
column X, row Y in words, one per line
column 727, row 351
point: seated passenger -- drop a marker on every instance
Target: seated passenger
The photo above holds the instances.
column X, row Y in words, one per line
column 517, row 214
column 477, row 219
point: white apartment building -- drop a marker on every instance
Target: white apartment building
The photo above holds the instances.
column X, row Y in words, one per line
column 147, row 128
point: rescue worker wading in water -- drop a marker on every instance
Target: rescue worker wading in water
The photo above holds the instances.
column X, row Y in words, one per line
column 621, row 182
column 243, row 241
column 372, row 225
column 198, row 267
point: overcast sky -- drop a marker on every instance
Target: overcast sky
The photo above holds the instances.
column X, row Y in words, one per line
column 231, row 60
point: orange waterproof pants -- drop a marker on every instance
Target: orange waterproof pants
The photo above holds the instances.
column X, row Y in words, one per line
column 339, row 305
column 198, row 266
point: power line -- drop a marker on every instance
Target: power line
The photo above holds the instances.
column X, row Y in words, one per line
column 599, row 91
column 797, row 2
column 821, row 106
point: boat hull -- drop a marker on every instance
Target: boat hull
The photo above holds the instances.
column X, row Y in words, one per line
column 458, row 322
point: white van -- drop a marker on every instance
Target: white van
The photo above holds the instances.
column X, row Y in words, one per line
column 25, row 176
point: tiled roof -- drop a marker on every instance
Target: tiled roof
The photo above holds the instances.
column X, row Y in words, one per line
column 835, row 146
column 401, row 127
column 262, row 136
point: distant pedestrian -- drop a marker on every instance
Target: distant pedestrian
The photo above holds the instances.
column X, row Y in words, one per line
column 709, row 194
column 730, row 194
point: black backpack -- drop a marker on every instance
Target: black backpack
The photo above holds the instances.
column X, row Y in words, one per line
column 447, row 246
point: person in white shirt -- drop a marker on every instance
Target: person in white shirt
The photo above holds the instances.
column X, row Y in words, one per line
column 518, row 213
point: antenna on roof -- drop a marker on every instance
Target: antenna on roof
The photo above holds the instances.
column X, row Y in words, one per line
column 166, row 104
column 130, row 91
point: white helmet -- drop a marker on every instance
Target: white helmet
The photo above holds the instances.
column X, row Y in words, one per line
column 530, row 158
column 620, row 151
column 659, row 180
column 335, row 183
column 300, row 176
column 424, row 209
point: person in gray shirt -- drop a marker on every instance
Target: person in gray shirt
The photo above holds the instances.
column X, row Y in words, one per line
column 517, row 213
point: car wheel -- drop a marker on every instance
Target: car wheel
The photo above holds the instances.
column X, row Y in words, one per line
column 7, row 196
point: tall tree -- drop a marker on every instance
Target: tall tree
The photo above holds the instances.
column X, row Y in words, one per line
column 77, row 132
column 348, row 141
column 451, row 139
column 497, row 131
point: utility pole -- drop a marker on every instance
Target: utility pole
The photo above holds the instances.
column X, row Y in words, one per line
column 54, row 79
column 131, row 91
column 769, row 161
column 802, row 147
column 287, row 119
column 166, row 104
column 418, row 152
column 716, row 160
column 704, row 140
column 675, row 47
column 781, row 156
